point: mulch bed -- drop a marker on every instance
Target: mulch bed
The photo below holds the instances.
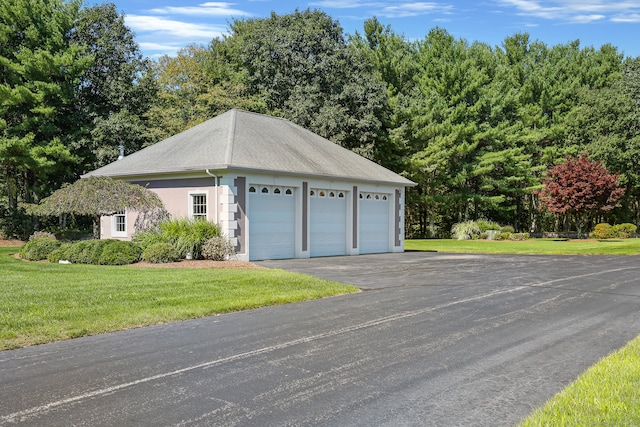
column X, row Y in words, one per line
column 4, row 242
column 191, row 263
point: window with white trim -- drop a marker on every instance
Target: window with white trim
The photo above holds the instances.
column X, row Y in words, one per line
column 199, row 205
column 119, row 224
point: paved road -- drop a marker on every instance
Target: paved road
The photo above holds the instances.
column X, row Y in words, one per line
column 434, row 339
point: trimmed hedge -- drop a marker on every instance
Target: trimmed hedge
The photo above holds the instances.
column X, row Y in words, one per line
column 618, row 231
column 99, row 252
column 39, row 248
column 120, row 252
column 159, row 253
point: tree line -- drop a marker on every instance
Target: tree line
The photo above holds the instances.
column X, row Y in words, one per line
column 475, row 126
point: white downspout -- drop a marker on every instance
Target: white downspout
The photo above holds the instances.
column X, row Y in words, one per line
column 216, row 180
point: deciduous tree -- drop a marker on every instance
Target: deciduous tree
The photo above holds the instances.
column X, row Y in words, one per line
column 304, row 69
column 580, row 188
column 116, row 89
column 97, row 196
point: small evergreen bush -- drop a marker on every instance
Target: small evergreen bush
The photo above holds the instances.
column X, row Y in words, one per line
column 602, row 231
column 486, row 225
column 39, row 248
column 119, row 252
column 618, row 231
column 60, row 253
column 622, row 231
column 518, row 236
column 98, row 252
column 507, row 229
column 218, row 248
column 85, row 251
column 158, row 253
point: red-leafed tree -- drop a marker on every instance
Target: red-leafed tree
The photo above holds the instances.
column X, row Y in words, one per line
column 580, row 188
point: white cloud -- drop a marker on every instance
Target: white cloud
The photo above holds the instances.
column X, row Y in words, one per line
column 160, row 46
column 629, row 19
column 585, row 19
column 575, row 11
column 181, row 29
column 204, row 9
column 337, row 4
column 414, row 9
column 387, row 9
column 158, row 49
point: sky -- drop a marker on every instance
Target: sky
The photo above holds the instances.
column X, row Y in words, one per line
column 165, row 26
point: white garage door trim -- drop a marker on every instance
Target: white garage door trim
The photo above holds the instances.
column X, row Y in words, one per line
column 374, row 223
column 328, row 222
column 272, row 225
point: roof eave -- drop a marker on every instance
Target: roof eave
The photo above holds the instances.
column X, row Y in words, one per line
column 202, row 170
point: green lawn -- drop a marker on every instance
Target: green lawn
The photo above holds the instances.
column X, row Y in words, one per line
column 42, row 302
column 606, row 395
column 531, row 246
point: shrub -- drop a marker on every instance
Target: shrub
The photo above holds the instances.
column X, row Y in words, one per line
column 602, row 231
column 39, row 248
column 99, row 252
column 158, row 253
column 486, row 225
column 60, row 253
column 466, row 230
column 186, row 235
column 119, row 252
column 518, row 236
column 85, row 251
column 503, row 235
column 218, row 248
column 622, row 231
column 42, row 234
column 507, row 229
column 146, row 238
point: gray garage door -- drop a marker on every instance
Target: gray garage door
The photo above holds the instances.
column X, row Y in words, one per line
column 374, row 223
column 328, row 222
column 271, row 222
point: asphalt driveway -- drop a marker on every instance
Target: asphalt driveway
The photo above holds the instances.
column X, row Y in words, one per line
column 433, row 339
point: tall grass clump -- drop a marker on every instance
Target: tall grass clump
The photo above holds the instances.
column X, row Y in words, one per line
column 187, row 235
column 481, row 229
column 466, row 230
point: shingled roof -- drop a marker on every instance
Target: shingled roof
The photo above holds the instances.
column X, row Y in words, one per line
column 244, row 141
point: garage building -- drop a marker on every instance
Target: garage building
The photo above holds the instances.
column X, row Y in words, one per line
column 276, row 189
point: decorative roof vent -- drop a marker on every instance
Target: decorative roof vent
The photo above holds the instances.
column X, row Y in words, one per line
column 120, row 152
